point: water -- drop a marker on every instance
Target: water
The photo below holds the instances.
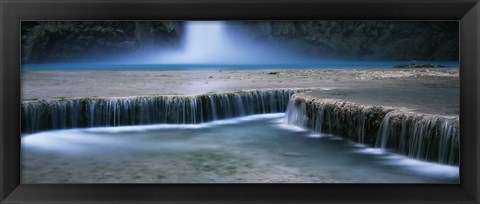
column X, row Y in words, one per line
column 423, row 137
column 51, row 114
column 258, row 148
column 242, row 66
column 420, row 136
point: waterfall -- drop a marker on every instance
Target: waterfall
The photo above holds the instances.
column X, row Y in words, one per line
column 38, row 115
column 421, row 136
column 383, row 133
column 296, row 114
column 319, row 119
column 448, row 143
column 334, row 117
column 214, row 42
column 361, row 127
column 204, row 42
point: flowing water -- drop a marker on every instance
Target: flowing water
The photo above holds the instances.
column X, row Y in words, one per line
column 258, row 148
column 51, row 114
column 426, row 137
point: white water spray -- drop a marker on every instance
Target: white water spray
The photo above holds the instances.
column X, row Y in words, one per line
column 203, row 40
column 209, row 42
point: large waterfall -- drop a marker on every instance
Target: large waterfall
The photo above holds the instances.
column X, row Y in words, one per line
column 38, row 115
column 420, row 136
column 204, row 42
column 213, row 43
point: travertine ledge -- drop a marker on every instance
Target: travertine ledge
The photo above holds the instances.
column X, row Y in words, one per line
column 61, row 113
column 422, row 136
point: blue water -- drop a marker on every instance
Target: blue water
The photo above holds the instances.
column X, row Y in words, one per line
column 258, row 148
column 318, row 65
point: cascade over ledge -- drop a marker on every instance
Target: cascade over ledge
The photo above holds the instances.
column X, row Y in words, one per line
column 421, row 136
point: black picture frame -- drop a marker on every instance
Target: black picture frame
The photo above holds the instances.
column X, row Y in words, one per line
column 14, row 11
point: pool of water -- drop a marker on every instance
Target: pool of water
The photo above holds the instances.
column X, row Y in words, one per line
column 306, row 65
column 252, row 149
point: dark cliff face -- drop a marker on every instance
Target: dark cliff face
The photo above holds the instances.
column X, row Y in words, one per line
column 77, row 41
column 96, row 41
column 360, row 40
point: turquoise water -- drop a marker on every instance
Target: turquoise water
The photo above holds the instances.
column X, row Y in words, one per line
column 251, row 149
column 317, row 65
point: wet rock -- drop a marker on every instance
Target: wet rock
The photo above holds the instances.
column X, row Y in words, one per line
column 422, row 136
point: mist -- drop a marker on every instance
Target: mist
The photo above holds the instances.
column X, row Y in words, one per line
column 211, row 42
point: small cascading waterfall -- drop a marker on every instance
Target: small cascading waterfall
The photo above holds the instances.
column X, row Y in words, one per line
column 361, row 127
column 319, row 119
column 421, row 136
column 337, row 117
column 38, row 115
column 449, row 143
column 296, row 113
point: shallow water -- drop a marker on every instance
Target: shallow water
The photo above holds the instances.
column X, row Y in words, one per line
column 259, row 148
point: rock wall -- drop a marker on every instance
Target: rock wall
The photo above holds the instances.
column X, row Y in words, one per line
column 359, row 40
column 75, row 41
